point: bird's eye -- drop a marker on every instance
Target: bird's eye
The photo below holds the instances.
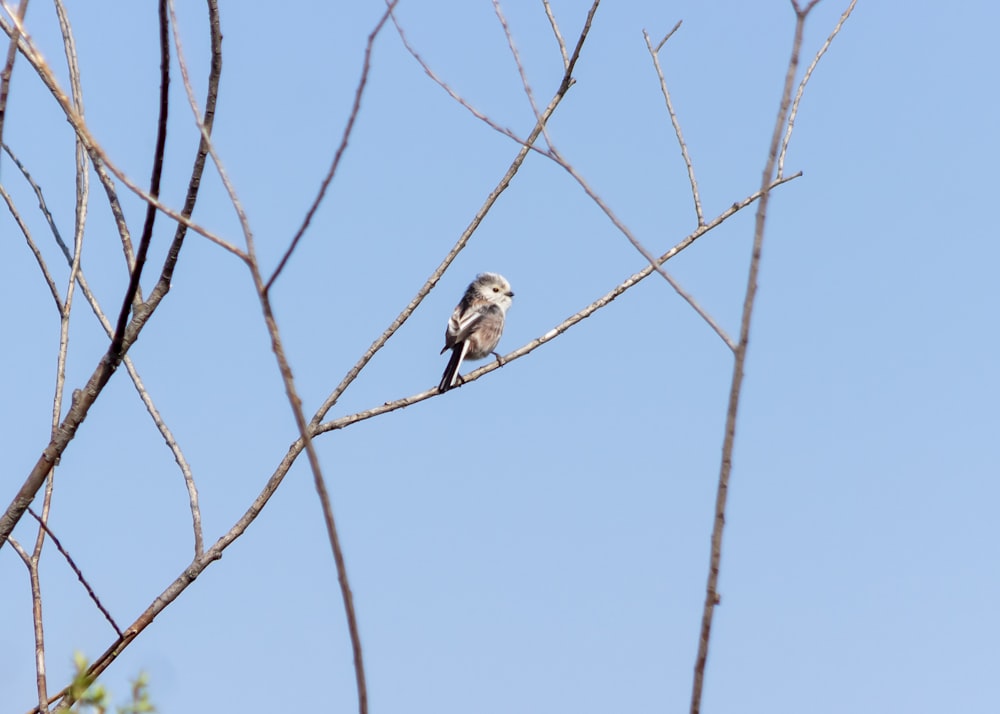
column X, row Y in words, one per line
column 496, row 289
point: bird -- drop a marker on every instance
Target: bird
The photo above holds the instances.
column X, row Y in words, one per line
column 475, row 326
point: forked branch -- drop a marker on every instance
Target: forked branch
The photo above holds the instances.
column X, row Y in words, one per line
column 712, row 597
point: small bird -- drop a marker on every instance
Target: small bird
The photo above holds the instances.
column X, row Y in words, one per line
column 475, row 326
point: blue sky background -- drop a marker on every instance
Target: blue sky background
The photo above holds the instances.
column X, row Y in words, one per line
column 536, row 541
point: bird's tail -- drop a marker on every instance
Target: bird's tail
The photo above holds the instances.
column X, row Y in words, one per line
column 450, row 375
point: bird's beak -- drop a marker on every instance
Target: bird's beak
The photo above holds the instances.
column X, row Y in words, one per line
column 510, row 294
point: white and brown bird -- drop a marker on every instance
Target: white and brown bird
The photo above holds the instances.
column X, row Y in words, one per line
column 475, row 326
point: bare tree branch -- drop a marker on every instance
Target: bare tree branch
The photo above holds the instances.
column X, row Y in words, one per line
column 529, row 143
column 115, row 351
column 82, row 196
column 520, row 70
column 655, row 54
column 688, row 298
column 41, row 686
column 206, row 138
column 667, row 36
column 805, row 79
column 355, row 109
column 712, row 597
column 800, row 12
column 8, row 68
column 76, row 569
column 33, row 247
column 201, row 157
column 555, row 31
column 41, row 201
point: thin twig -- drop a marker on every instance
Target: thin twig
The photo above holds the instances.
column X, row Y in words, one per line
column 115, row 351
column 101, row 169
column 305, row 434
column 41, row 686
column 82, row 195
column 655, row 54
column 459, row 98
column 33, row 247
column 36, row 595
column 355, row 109
column 83, row 176
column 555, row 30
column 528, row 143
column 521, row 71
column 41, row 201
column 206, row 138
column 800, row 12
column 667, row 36
column 802, row 85
column 712, row 597
column 201, row 158
column 67, row 253
column 22, row 553
column 41, row 679
column 653, row 262
column 8, row 68
column 76, row 569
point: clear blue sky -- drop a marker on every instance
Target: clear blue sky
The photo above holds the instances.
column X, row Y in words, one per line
column 536, row 541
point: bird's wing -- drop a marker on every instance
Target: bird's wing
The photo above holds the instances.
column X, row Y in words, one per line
column 461, row 324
